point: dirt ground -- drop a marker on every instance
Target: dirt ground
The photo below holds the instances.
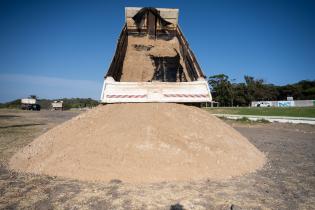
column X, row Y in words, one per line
column 286, row 182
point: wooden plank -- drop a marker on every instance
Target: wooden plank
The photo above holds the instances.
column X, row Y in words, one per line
column 171, row 20
column 151, row 24
column 164, row 12
column 131, row 24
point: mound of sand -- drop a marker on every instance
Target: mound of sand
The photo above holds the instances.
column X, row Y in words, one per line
column 141, row 143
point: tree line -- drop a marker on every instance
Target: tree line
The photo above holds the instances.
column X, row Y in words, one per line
column 223, row 89
column 229, row 93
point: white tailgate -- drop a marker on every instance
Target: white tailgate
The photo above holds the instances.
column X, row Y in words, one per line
column 125, row 92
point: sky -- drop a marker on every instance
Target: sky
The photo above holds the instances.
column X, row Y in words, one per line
column 56, row 49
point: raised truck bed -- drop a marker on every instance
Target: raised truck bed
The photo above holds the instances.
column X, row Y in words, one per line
column 153, row 62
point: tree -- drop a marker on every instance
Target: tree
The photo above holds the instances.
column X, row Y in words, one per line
column 258, row 90
column 221, row 88
column 239, row 90
column 229, row 93
column 33, row 96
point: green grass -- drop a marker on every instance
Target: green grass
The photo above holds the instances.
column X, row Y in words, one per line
column 265, row 111
column 245, row 120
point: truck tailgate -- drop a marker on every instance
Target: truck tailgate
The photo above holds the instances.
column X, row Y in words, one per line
column 124, row 92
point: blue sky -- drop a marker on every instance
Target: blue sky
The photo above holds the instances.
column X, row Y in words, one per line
column 63, row 48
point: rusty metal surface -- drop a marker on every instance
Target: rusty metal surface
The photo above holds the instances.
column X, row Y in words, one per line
column 187, row 51
column 115, row 68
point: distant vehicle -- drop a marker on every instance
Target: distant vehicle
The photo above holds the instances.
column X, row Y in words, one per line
column 57, row 105
column 263, row 104
column 33, row 107
column 28, row 101
column 29, row 104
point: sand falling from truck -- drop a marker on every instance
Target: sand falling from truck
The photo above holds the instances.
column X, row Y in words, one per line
column 141, row 143
column 153, row 60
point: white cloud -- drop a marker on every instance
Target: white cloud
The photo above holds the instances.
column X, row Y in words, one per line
column 14, row 86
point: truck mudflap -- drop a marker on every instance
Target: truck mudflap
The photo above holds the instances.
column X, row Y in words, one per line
column 142, row 92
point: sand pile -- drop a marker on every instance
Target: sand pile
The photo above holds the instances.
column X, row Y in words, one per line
column 141, row 143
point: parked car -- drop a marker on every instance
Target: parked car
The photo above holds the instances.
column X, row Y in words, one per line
column 263, row 104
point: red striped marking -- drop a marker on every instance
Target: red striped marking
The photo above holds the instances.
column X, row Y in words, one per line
column 126, row 96
column 186, row 95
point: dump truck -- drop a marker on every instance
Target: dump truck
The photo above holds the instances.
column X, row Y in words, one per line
column 30, row 104
column 153, row 62
column 57, row 105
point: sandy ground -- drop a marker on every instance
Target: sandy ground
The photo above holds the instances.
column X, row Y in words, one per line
column 141, row 143
column 286, row 182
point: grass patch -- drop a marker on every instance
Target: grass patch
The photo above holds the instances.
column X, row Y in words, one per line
column 262, row 121
column 265, row 111
column 245, row 120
